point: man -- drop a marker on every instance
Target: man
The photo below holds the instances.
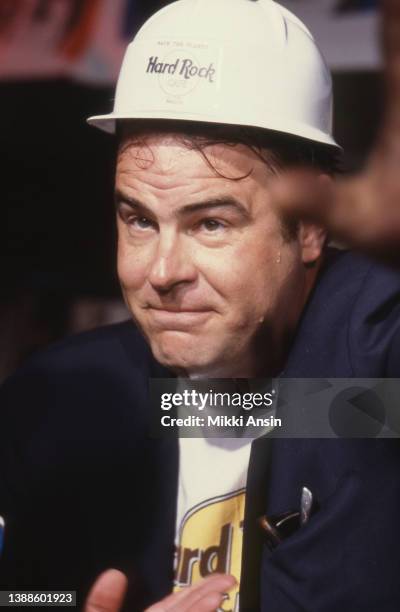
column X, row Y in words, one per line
column 220, row 284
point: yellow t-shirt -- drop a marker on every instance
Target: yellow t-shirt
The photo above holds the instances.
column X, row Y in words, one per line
column 211, row 494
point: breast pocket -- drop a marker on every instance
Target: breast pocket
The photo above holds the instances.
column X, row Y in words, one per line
column 307, row 570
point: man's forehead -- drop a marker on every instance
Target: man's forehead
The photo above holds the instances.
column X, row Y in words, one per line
column 170, row 152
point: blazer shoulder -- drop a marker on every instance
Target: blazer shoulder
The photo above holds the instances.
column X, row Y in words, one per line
column 108, row 366
column 112, row 346
column 374, row 324
column 350, row 321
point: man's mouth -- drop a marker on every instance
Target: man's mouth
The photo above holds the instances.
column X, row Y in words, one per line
column 178, row 319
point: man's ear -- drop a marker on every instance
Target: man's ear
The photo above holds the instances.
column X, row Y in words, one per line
column 312, row 238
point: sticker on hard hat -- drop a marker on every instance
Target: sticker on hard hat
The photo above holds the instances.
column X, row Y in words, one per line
column 180, row 70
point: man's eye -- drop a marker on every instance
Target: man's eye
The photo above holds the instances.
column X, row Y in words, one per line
column 140, row 223
column 212, row 225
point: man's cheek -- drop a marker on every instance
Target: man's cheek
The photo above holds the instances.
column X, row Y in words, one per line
column 130, row 272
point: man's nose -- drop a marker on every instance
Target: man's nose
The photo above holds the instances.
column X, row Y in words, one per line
column 172, row 264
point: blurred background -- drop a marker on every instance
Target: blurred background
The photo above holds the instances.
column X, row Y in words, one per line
column 59, row 60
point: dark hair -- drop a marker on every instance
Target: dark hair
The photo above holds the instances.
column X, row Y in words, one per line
column 284, row 150
column 277, row 150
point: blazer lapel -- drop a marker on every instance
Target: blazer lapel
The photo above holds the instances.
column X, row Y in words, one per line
column 255, row 506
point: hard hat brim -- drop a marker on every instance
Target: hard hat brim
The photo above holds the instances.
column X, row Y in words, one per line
column 107, row 123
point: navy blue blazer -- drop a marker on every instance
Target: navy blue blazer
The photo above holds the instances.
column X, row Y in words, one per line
column 83, row 487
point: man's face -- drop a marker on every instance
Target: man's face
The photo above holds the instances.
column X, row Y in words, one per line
column 202, row 260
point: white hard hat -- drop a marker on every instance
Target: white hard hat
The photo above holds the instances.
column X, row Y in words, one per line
column 235, row 62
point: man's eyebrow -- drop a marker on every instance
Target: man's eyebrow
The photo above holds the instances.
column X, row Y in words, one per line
column 187, row 209
column 122, row 198
column 221, row 202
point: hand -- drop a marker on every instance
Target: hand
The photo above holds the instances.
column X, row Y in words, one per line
column 363, row 212
column 108, row 592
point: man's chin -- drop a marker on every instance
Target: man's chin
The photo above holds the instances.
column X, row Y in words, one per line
column 181, row 352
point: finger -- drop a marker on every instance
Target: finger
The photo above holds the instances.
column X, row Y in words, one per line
column 182, row 600
column 216, row 582
column 203, row 603
column 206, row 603
column 208, row 591
column 303, row 195
column 107, row 593
column 358, row 220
